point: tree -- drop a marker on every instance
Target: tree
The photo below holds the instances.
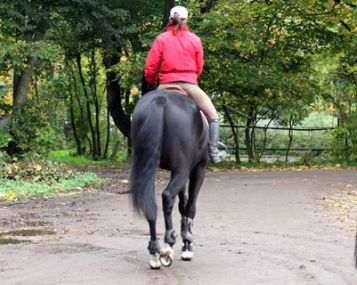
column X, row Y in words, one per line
column 104, row 33
column 23, row 27
column 259, row 54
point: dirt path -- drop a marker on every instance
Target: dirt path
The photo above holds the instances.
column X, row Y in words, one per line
column 251, row 228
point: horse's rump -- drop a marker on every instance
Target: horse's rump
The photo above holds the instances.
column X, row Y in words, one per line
column 183, row 128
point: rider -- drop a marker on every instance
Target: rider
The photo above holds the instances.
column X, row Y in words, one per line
column 176, row 57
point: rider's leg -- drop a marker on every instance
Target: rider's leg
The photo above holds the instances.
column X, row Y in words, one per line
column 206, row 105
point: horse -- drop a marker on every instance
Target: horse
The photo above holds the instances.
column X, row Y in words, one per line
column 168, row 131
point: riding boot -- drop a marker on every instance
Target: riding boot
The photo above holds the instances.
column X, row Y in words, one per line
column 216, row 154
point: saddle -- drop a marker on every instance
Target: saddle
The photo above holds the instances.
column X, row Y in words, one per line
column 176, row 88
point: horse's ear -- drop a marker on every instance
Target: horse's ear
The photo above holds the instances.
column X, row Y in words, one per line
column 145, row 87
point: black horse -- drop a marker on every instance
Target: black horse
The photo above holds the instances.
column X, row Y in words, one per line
column 169, row 132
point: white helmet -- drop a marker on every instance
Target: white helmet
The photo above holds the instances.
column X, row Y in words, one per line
column 180, row 10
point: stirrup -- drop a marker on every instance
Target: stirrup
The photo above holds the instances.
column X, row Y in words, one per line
column 222, row 145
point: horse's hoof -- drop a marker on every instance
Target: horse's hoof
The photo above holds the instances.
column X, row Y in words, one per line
column 187, row 255
column 166, row 261
column 155, row 261
column 187, row 251
column 166, row 256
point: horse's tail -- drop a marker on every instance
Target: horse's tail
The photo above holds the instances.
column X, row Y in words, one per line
column 146, row 137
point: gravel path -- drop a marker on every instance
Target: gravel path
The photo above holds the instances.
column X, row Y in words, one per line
column 251, row 228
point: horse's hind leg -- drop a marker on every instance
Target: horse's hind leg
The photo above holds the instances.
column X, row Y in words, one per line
column 175, row 186
column 154, row 246
column 196, row 179
column 182, row 202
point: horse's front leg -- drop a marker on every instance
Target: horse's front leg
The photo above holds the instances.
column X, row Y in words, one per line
column 176, row 185
column 188, row 214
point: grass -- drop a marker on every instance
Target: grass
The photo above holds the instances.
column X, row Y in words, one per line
column 12, row 189
column 229, row 164
column 33, row 176
column 69, row 157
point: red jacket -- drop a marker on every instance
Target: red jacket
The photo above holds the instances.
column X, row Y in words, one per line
column 175, row 56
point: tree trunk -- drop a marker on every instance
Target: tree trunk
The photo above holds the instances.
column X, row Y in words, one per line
column 89, row 113
column 73, row 89
column 247, row 137
column 81, row 111
column 235, row 134
column 96, row 103
column 252, row 136
column 15, row 83
column 35, row 87
column 265, row 137
column 105, row 154
column 115, row 150
column 21, row 86
column 169, row 4
column 114, row 96
column 73, row 124
column 90, row 145
column 207, row 5
column 290, row 138
column 4, row 123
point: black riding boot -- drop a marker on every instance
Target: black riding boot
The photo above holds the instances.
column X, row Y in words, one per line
column 216, row 154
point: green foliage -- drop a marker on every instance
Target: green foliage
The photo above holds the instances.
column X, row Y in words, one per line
column 5, row 107
column 10, row 190
column 35, row 171
column 264, row 51
column 99, row 24
column 5, row 138
column 23, row 27
column 14, row 53
column 343, row 141
column 338, row 85
column 338, row 142
column 31, row 128
column 40, row 178
column 130, row 71
column 352, row 131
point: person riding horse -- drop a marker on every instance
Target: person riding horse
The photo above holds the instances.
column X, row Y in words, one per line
column 176, row 58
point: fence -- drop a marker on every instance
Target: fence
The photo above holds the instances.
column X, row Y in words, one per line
column 270, row 144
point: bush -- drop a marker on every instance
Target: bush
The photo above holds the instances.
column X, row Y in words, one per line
column 339, row 143
column 5, row 138
column 36, row 177
column 35, row 171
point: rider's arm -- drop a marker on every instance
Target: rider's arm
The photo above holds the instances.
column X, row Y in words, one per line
column 152, row 65
column 199, row 58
